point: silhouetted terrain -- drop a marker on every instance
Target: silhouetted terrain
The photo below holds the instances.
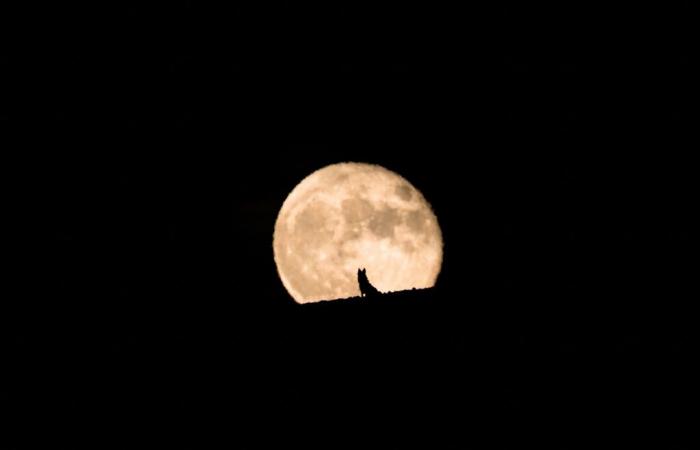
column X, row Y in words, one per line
column 429, row 368
column 413, row 368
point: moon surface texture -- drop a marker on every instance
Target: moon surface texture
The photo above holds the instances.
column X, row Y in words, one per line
column 352, row 215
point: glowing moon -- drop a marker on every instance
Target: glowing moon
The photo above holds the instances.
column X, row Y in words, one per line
column 352, row 215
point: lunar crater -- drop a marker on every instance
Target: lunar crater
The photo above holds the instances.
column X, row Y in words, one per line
column 405, row 192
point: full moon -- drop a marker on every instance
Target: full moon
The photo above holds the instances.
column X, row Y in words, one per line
column 353, row 215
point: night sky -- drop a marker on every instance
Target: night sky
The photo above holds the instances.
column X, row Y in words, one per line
column 545, row 140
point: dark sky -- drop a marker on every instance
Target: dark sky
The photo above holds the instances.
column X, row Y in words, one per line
column 546, row 141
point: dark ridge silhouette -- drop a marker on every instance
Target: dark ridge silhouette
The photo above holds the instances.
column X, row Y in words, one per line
column 409, row 296
column 369, row 292
column 469, row 364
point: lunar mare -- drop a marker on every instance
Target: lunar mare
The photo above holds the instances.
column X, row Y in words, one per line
column 351, row 215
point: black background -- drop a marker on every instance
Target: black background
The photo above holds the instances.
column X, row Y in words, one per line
column 546, row 139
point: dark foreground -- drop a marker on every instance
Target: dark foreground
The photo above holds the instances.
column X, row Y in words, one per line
column 407, row 370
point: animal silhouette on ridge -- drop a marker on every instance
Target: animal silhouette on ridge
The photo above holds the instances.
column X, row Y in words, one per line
column 366, row 288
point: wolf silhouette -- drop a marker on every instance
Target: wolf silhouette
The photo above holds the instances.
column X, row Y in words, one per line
column 366, row 288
